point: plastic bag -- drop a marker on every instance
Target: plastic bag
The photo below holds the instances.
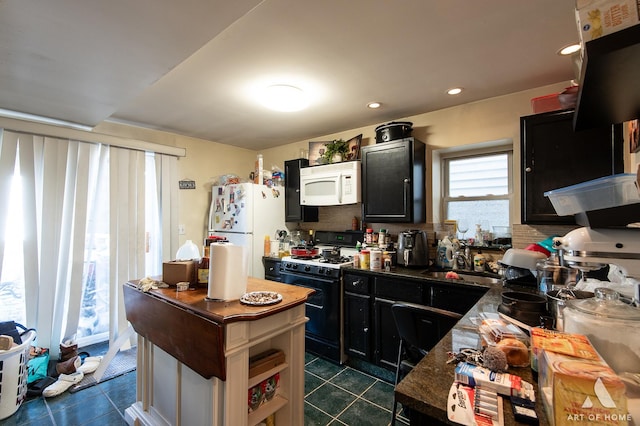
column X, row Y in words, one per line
column 38, row 364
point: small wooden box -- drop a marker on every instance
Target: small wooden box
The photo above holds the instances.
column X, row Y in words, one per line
column 265, row 361
column 179, row 270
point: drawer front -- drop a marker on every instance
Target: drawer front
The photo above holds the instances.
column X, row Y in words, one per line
column 396, row 290
column 356, row 283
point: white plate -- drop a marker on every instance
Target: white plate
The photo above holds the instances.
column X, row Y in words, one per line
column 257, row 298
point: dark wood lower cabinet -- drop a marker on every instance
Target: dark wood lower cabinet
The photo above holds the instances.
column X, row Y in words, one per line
column 357, row 325
column 370, row 332
column 455, row 299
column 386, row 335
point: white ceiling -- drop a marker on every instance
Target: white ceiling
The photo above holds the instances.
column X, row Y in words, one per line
column 188, row 67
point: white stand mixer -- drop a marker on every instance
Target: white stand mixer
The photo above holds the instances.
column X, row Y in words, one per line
column 589, row 249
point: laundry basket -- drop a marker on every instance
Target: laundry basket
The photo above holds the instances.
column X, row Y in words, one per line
column 13, row 376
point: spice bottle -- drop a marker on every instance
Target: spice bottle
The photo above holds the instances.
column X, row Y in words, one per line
column 382, row 238
column 368, row 237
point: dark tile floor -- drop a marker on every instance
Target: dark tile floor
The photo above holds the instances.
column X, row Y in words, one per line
column 334, row 395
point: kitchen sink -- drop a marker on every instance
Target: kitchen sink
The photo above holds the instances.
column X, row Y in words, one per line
column 464, row 277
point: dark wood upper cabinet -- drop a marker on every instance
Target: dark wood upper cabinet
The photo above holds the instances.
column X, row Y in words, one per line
column 393, row 181
column 609, row 89
column 293, row 211
column 555, row 156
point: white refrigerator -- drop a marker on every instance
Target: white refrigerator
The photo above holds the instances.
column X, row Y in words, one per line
column 245, row 213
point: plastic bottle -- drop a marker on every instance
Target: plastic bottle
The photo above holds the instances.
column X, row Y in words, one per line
column 354, row 224
column 478, row 236
column 258, row 176
column 267, row 245
column 188, row 251
column 364, row 259
column 203, row 268
column 479, row 261
column 375, row 260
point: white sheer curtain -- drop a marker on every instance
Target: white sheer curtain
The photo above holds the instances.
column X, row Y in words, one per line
column 60, row 191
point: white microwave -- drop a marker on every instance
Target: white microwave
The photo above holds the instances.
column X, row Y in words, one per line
column 330, row 184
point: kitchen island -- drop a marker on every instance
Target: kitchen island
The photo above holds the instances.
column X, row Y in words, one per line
column 193, row 355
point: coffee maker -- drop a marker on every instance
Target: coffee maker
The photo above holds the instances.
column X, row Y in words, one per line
column 412, row 248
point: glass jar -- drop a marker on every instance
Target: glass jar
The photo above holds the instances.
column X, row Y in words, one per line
column 611, row 326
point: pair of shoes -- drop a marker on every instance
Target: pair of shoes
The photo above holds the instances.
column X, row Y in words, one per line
column 69, row 366
column 64, row 382
column 91, row 364
column 68, row 349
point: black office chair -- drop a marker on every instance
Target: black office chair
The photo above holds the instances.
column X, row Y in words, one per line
column 419, row 327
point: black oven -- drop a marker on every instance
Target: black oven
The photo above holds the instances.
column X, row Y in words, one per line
column 322, row 336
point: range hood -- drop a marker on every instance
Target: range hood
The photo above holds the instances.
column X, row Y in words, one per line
column 609, row 80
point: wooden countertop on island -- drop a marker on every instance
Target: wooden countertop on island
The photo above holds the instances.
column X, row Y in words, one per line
column 178, row 321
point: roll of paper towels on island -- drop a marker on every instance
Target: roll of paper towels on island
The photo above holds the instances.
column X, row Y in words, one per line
column 228, row 267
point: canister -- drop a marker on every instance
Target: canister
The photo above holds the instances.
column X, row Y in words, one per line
column 375, row 261
column 611, row 326
column 364, row 259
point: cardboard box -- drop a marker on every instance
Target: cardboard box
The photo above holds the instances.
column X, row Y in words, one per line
column 546, row 103
column 581, row 391
column 597, row 18
column 177, row 271
column 576, row 345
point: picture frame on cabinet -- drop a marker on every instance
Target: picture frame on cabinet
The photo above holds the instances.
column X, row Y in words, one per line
column 316, row 153
column 354, row 148
column 634, row 136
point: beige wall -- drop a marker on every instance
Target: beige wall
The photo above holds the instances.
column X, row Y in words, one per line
column 484, row 121
column 204, row 161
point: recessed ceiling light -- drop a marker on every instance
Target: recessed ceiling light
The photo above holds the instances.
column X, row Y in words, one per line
column 568, row 50
column 454, row 91
column 282, row 97
column 374, row 105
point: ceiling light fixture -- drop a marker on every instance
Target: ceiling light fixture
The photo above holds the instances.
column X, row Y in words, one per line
column 283, row 97
column 568, row 50
column 44, row 120
column 374, row 105
column 454, row 91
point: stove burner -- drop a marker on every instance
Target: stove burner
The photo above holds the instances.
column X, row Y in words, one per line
column 335, row 260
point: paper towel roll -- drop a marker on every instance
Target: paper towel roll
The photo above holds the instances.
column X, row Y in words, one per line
column 228, row 266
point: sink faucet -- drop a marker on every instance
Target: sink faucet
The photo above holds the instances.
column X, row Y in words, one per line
column 462, row 260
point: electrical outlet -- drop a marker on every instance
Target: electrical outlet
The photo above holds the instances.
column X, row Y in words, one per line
column 187, row 184
column 181, row 229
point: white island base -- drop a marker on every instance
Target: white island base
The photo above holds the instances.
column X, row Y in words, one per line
column 170, row 393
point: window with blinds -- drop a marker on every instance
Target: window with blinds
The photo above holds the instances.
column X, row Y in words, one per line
column 477, row 190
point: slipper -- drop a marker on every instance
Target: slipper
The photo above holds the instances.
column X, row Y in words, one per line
column 91, row 364
column 64, row 382
column 69, row 366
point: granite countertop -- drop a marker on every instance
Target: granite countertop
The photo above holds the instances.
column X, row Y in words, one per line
column 426, row 387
